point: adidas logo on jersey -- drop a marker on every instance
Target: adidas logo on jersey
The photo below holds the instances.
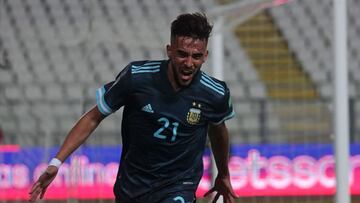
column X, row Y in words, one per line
column 148, row 108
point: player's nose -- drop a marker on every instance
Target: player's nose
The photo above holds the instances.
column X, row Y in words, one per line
column 189, row 62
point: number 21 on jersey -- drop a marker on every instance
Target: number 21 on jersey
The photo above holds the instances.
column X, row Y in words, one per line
column 165, row 124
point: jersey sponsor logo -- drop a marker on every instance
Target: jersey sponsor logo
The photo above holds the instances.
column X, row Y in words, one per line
column 147, row 108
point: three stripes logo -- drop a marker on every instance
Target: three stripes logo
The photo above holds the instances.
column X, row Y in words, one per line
column 149, row 67
column 147, row 108
column 210, row 83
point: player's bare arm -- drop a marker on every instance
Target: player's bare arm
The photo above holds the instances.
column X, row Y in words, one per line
column 77, row 135
column 219, row 139
column 80, row 132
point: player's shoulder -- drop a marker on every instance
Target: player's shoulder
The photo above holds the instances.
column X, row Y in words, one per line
column 212, row 86
column 145, row 67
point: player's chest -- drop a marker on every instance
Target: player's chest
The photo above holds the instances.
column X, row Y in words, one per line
column 186, row 108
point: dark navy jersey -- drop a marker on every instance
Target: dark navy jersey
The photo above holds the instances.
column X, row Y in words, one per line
column 163, row 131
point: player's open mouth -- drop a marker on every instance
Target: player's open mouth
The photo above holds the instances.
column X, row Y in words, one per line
column 186, row 74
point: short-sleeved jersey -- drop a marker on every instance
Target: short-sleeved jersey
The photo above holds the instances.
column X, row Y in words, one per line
column 163, row 131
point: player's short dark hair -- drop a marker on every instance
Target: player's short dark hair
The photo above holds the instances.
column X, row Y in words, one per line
column 195, row 25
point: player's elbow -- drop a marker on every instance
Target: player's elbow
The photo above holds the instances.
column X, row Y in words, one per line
column 93, row 117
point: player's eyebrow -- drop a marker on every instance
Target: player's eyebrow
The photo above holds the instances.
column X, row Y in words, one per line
column 184, row 54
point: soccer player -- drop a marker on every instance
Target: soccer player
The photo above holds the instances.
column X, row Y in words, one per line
column 169, row 108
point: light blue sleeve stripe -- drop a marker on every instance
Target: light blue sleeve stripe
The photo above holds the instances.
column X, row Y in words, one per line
column 108, row 109
column 98, row 102
column 145, row 71
column 103, row 107
column 231, row 115
column 212, row 81
column 153, row 63
column 212, row 87
column 133, row 67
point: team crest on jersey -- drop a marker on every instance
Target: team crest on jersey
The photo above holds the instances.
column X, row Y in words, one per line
column 193, row 116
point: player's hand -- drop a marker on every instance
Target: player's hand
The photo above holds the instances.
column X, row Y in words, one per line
column 40, row 186
column 223, row 187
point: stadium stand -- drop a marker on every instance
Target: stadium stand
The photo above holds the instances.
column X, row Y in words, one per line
column 308, row 29
column 310, row 22
column 60, row 52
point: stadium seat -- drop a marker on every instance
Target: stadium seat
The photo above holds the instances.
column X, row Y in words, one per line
column 62, row 51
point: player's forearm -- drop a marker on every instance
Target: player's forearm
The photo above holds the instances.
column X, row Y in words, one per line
column 79, row 133
column 219, row 139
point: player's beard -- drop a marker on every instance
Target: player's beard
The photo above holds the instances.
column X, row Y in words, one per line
column 177, row 76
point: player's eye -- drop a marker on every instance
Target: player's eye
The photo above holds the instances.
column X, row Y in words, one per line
column 182, row 54
column 197, row 56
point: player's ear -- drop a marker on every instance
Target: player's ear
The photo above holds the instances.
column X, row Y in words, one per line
column 168, row 50
column 206, row 55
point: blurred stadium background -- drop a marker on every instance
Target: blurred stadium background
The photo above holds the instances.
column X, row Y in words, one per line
column 278, row 64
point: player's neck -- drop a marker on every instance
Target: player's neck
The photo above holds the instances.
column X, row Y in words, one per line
column 171, row 77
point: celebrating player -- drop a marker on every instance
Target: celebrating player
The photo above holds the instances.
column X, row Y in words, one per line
column 170, row 106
